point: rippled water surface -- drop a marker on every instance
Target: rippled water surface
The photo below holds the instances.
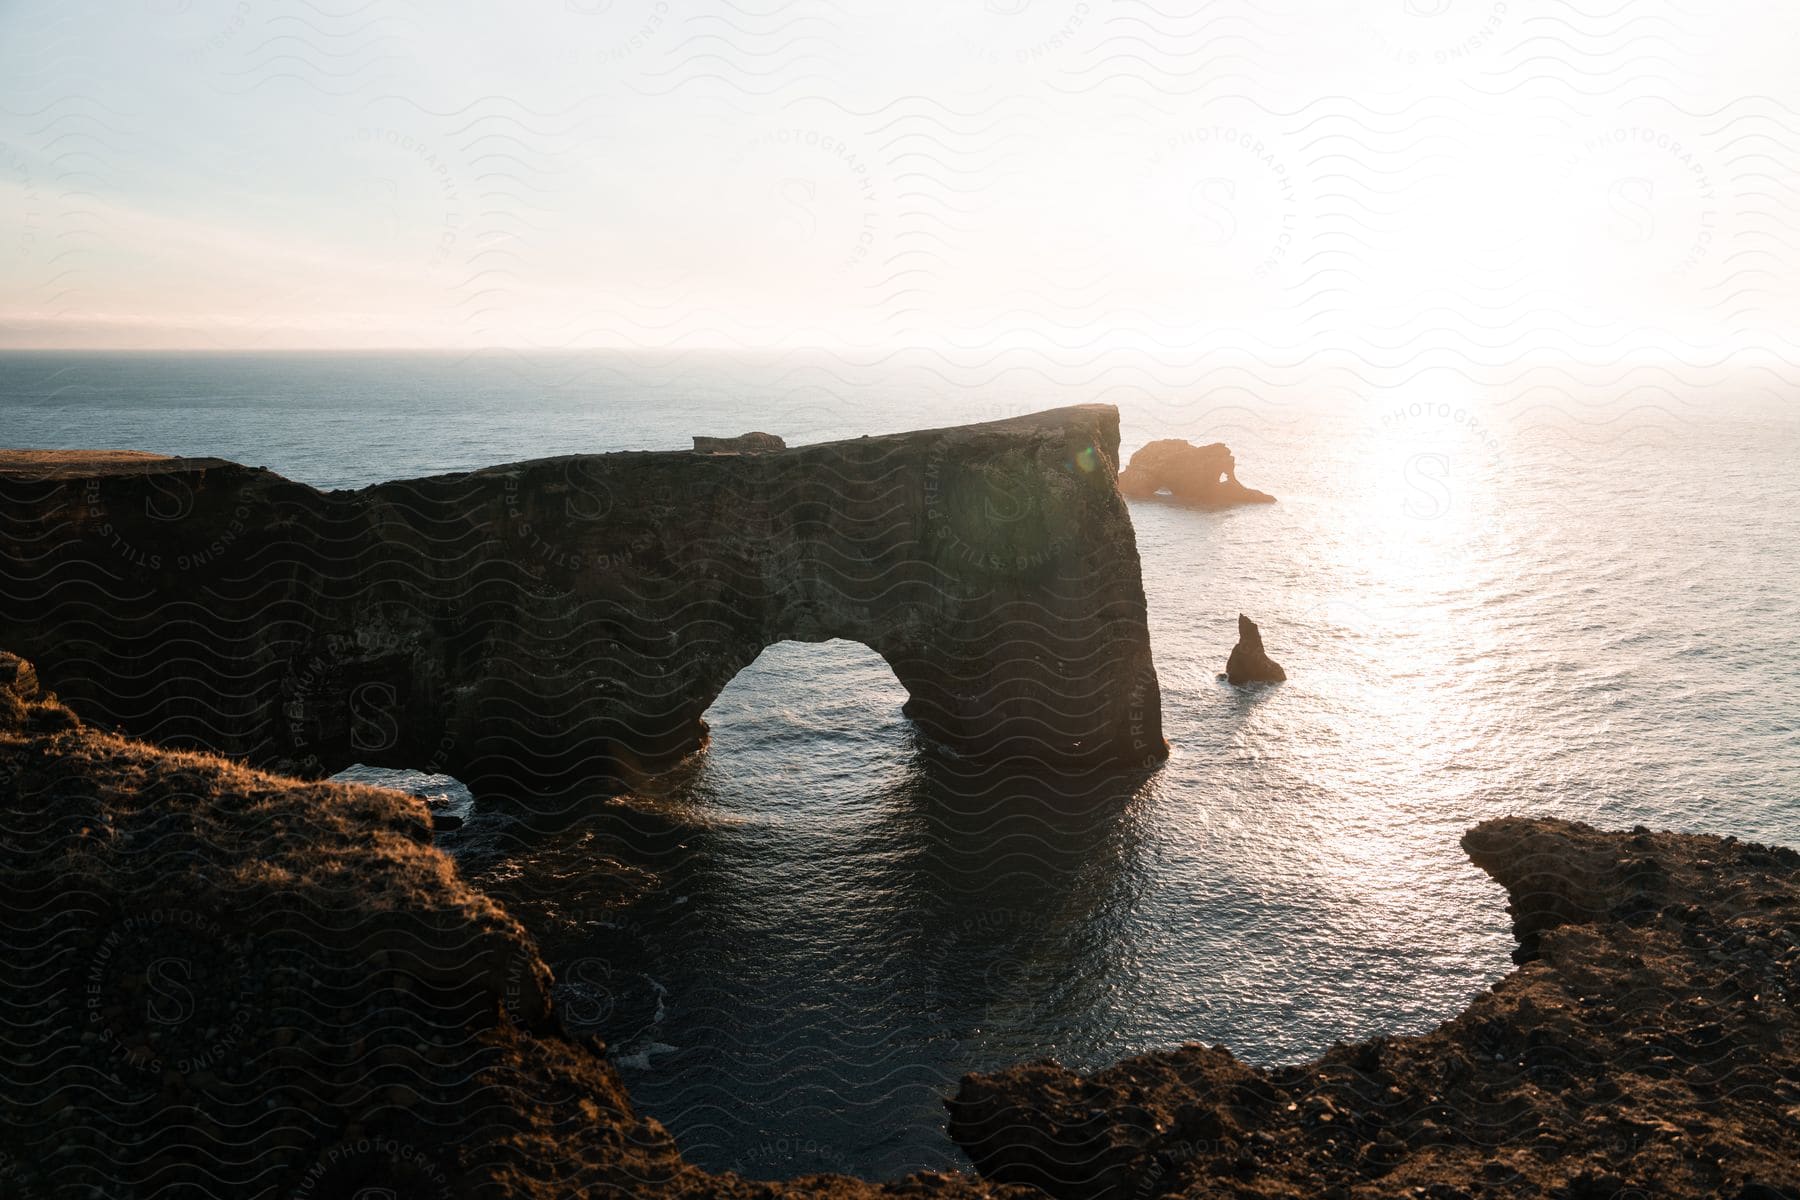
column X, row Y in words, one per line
column 1486, row 604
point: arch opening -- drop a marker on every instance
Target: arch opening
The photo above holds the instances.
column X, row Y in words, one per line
column 771, row 939
column 837, row 697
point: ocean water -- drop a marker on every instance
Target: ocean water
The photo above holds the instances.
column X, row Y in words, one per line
column 1500, row 598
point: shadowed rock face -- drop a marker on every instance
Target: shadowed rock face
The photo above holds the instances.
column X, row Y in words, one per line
column 1648, row 1045
column 1204, row 476
column 743, row 443
column 1249, row 663
column 572, row 618
column 222, row 983
column 352, row 1018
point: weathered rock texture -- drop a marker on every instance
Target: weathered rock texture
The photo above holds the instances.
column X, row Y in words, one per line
column 572, row 618
column 1648, row 1045
column 221, row 983
column 743, row 443
column 224, row 983
column 1249, row 663
column 1204, row 476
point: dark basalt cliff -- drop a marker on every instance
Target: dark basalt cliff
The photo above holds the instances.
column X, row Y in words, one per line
column 1647, row 1046
column 221, row 982
column 570, row 619
column 743, row 443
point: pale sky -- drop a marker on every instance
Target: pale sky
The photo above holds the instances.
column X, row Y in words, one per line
column 1403, row 178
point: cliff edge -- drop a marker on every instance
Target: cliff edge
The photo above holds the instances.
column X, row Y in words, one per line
column 222, row 982
column 541, row 627
column 225, row 983
column 1647, row 1045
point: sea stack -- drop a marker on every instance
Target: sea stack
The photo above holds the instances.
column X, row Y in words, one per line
column 1248, row 662
column 1204, row 476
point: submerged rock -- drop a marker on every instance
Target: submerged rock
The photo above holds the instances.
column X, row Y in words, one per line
column 1248, row 662
column 743, row 443
column 1204, row 476
column 1648, row 1045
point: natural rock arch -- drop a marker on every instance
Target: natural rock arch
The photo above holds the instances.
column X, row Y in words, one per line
column 1205, row 476
column 573, row 618
column 831, row 685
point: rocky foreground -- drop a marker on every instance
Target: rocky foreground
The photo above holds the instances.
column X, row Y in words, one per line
column 225, row 983
column 1647, row 1046
column 221, row 982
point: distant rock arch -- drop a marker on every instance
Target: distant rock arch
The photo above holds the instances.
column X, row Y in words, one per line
column 1204, row 476
column 573, row 618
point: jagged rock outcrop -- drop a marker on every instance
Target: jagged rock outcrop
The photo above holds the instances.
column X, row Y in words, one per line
column 570, row 619
column 1203, row 476
column 743, row 443
column 1249, row 663
column 223, row 983
column 1648, row 1045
